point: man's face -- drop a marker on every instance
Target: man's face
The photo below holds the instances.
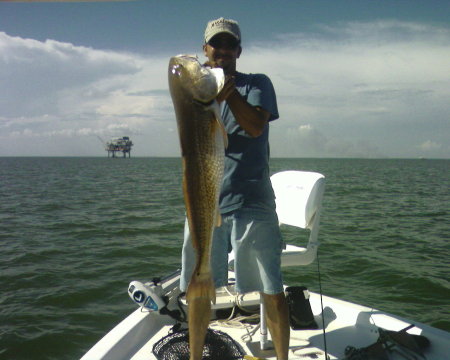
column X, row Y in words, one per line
column 222, row 51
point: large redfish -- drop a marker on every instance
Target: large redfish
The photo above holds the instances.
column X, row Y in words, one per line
column 194, row 89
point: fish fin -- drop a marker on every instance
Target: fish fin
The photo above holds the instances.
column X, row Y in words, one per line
column 224, row 134
column 219, row 219
column 220, row 125
column 201, row 286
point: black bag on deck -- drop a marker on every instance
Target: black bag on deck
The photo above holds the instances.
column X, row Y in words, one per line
column 300, row 313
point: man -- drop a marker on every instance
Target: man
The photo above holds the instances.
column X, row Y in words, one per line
column 247, row 205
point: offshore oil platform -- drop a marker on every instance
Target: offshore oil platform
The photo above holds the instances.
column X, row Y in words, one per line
column 122, row 145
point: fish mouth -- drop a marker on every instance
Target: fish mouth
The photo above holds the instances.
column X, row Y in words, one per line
column 201, row 82
column 203, row 102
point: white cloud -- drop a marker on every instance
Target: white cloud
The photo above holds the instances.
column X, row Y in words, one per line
column 55, row 91
column 39, row 77
column 384, row 85
column 307, row 141
column 430, row 146
column 357, row 89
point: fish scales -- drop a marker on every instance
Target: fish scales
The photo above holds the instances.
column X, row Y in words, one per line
column 203, row 168
column 194, row 88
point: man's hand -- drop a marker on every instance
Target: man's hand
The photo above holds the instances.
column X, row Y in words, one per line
column 227, row 89
column 252, row 119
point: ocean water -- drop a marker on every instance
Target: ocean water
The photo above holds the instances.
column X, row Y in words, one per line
column 75, row 231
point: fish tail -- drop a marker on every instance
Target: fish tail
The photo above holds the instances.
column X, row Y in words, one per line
column 200, row 293
column 199, row 314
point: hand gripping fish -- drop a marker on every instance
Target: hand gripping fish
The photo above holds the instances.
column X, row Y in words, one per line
column 194, row 88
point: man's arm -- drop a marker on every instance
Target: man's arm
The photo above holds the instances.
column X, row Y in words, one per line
column 252, row 119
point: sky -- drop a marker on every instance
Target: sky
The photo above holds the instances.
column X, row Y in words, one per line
column 353, row 78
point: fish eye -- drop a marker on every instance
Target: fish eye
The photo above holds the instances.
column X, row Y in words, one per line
column 176, row 69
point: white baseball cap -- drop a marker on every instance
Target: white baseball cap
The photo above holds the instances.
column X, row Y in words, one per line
column 222, row 25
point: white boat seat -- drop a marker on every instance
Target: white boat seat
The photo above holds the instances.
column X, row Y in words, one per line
column 298, row 198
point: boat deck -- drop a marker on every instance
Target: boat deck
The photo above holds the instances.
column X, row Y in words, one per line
column 346, row 324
